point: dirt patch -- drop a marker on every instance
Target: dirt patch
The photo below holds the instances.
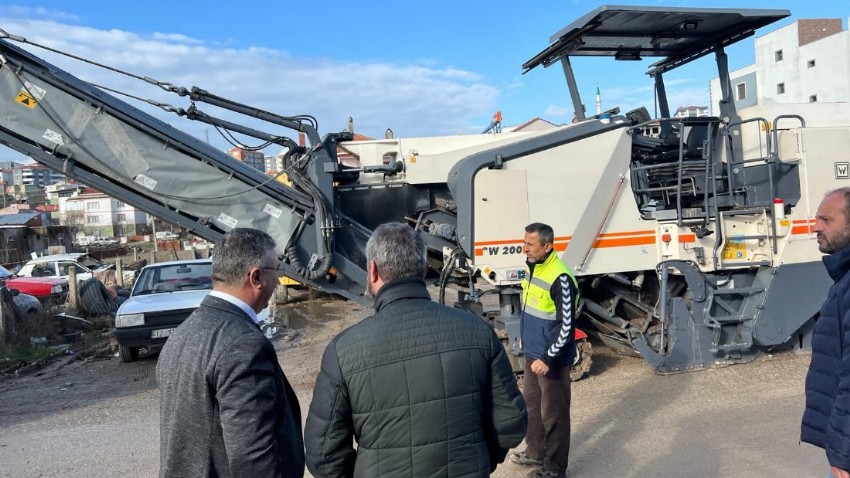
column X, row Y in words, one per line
column 312, row 325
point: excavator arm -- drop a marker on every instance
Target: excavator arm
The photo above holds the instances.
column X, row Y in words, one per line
column 89, row 135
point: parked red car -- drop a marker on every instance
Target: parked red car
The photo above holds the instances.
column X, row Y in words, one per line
column 49, row 290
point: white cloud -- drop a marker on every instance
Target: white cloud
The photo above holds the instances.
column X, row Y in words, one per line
column 412, row 99
column 558, row 113
column 175, row 37
column 680, row 92
column 16, row 11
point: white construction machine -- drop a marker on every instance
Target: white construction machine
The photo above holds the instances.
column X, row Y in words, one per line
column 693, row 247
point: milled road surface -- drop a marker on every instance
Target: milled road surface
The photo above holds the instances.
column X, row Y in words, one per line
column 99, row 417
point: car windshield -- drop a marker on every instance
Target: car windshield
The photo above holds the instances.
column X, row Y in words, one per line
column 173, row 278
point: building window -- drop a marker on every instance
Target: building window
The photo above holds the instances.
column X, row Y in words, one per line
column 119, row 204
column 777, row 55
column 780, row 88
column 121, row 217
column 92, row 206
column 813, row 99
column 810, row 64
column 92, row 219
column 74, row 206
column 741, row 91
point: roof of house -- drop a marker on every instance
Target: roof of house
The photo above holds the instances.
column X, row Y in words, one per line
column 529, row 123
column 19, row 219
column 47, row 207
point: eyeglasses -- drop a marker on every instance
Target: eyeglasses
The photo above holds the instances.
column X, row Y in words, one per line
column 274, row 269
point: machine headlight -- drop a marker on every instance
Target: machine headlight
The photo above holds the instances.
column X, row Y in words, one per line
column 129, row 320
column 56, row 289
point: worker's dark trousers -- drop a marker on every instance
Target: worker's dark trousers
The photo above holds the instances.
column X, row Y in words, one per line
column 547, row 398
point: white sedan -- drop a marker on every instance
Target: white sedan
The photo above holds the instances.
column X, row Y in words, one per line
column 58, row 265
column 162, row 298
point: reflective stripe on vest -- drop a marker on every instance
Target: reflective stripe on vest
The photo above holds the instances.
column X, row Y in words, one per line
column 536, row 298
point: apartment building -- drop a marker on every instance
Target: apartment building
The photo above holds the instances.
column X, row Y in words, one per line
column 97, row 214
column 807, row 61
column 35, row 175
column 255, row 159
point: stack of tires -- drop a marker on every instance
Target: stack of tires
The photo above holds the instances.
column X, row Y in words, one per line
column 95, row 299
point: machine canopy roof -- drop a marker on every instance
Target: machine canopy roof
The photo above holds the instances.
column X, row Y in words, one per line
column 678, row 35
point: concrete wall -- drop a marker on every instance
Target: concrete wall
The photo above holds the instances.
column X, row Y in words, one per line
column 744, row 75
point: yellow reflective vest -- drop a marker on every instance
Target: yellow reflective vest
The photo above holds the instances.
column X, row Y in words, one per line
column 536, row 299
column 544, row 336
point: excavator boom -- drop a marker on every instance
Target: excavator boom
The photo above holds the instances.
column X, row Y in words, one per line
column 89, row 135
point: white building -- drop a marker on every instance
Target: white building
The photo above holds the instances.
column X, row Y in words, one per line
column 807, row 61
column 691, row 112
column 100, row 215
column 62, row 189
column 274, row 163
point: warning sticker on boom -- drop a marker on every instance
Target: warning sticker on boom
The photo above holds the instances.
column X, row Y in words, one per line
column 26, row 99
column 53, row 137
column 34, row 90
column 734, row 251
column 228, row 221
column 30, row 95
column 145, row 181
column 272, row 211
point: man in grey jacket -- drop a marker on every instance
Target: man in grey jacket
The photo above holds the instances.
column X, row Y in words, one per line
column 424, row 389
column 226, row 408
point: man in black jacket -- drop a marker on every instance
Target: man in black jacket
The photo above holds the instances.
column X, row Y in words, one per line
column 826, row 420
column 226, row 409
column 424, row 389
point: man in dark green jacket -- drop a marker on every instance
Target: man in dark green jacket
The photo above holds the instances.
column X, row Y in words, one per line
column 424, row 389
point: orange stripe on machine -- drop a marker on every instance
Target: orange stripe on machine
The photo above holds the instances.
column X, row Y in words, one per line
column 612, row 239
column 608, row 239
column 803, row 226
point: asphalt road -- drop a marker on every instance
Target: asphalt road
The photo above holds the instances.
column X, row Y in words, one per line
column 98, row 417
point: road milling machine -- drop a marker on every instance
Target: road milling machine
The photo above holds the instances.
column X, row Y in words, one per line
column 693, row 245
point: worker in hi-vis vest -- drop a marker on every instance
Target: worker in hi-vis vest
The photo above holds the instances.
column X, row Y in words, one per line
column 549, row 298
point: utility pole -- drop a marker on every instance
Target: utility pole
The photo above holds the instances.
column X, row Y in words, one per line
column 153, row 223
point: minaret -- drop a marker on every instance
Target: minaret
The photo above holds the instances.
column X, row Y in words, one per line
column 598, row 101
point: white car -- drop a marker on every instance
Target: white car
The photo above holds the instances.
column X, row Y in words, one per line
column 162, row 298
column 166, row 235
column 95, row 241
column 58, row 265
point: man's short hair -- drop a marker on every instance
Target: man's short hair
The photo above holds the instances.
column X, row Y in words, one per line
column 845, row 192
column 238, row 252
column 544, row 232
column 398, row 251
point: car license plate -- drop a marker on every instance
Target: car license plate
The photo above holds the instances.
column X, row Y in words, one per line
column 161, row 333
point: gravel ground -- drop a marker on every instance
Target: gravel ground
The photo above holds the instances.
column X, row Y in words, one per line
column 99, row 417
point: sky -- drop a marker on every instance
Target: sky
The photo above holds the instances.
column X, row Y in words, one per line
column 420, row 68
